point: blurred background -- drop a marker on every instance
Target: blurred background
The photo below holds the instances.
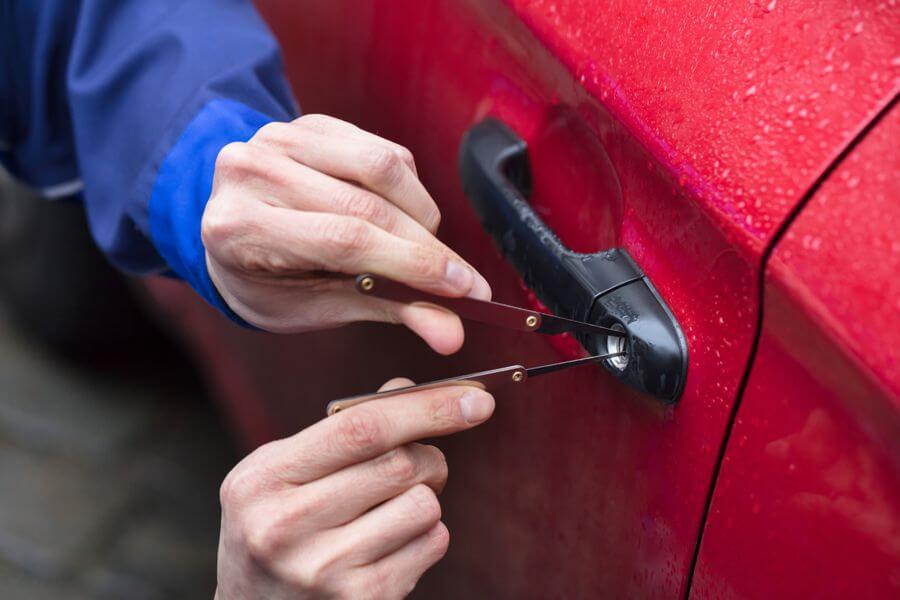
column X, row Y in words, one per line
column 111, row 453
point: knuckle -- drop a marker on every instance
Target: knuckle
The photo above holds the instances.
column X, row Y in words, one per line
column 363, row 205
column 252, row 258
column 431, row 266
column 318, row 572
column 406, row 156
column 308, row 577
column 439, row 460
column 234, row 158
column 375, row 210
column 346, row 237
column 432, row 220
column 238, row 487
column 264, row 539
column 297, row 511
column 305, row 509
column 445, row 411
column 383, row 167
column 399, row 465
column 216, row 225
column 314, row 122
column 377, row 585
column 368, row 583
column 233, row 233
column 232, row 236
column 250, row 478
column 424, row 503
column 224, row 225
column 269, row 530
column 360, row 431
column 230, row 492
column 276, row 134
column 439, row 540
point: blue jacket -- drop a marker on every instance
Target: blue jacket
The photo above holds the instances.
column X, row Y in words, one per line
column 126, row 103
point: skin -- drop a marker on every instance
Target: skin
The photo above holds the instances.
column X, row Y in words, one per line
column 347, row 508
column 302, row 206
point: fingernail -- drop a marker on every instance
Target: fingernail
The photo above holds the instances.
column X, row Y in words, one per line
column 459, row 275
column 476, row 406
column 481, row 290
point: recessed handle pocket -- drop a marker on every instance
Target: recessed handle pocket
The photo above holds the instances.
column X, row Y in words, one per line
column 607, row 287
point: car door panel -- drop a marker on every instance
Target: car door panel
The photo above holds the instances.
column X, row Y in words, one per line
column 579, row 486
column 748, row 101
column 808, row 500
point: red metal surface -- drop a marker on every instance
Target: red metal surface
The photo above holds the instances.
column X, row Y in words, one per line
column 747, row 101
column 578, row 487
column 808, row 501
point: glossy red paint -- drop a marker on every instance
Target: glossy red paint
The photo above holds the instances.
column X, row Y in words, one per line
column 747, row 102
column 577, row 487
column 808, row 500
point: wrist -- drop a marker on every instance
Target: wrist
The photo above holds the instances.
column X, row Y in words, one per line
column 183, row 186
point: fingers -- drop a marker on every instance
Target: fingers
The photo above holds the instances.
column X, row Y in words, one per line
column 323, row 123
column 352, row 129
column 371, row 429
column 305, row 305
column 395, row 383
column 289, row 184
column 320, row 195
column 390, row 526
column 369, row 529
column 350, row 154
column 402, row 569
column 441, row 329
column 258, row 175
column 350, row 492
column 273, row 546
column 282, row 242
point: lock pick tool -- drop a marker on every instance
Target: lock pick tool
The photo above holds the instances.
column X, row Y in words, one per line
column 482, row 311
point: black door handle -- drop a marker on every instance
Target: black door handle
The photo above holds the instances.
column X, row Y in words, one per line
column 607, row 287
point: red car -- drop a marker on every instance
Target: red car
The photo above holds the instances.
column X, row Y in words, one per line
column 719, row 179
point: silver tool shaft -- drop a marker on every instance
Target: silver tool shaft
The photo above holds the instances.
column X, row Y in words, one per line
column 486, row 380
column 483, row 311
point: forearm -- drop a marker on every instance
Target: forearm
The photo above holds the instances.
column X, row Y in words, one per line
column 152, row 102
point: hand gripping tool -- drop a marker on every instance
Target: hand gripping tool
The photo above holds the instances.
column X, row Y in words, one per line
column 482, row 311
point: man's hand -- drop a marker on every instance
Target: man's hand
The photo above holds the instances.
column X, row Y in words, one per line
column 304, row 204
column 347, row 508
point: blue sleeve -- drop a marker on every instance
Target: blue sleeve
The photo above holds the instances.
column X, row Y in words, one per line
column 155, row 90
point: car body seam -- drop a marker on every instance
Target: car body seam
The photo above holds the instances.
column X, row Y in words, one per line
column 878, row 115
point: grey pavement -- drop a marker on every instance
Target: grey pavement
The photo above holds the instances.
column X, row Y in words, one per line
column 109, row 476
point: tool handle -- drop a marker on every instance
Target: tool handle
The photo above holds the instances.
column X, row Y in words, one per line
column 491, row 313
column 486, row 380
column 483, row 311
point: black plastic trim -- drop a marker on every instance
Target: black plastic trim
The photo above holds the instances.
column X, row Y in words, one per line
column 605, row 287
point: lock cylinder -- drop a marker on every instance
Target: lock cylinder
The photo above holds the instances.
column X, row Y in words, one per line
column 615, row 345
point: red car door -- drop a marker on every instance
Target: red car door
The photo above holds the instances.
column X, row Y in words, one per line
column 807, row 504
column 679, row 135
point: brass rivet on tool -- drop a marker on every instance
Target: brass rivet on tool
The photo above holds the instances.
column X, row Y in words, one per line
column 367, row 284
column 518, row 376
column 531, row 321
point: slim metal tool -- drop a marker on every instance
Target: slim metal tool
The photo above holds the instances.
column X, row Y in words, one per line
column 491, row 313
column 486, row 380
column 483, row 311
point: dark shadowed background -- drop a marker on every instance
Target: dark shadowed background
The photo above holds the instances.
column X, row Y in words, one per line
column 110, row 453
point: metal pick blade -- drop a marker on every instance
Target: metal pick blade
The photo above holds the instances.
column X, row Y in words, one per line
column 486, row 380
column 483, row 311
